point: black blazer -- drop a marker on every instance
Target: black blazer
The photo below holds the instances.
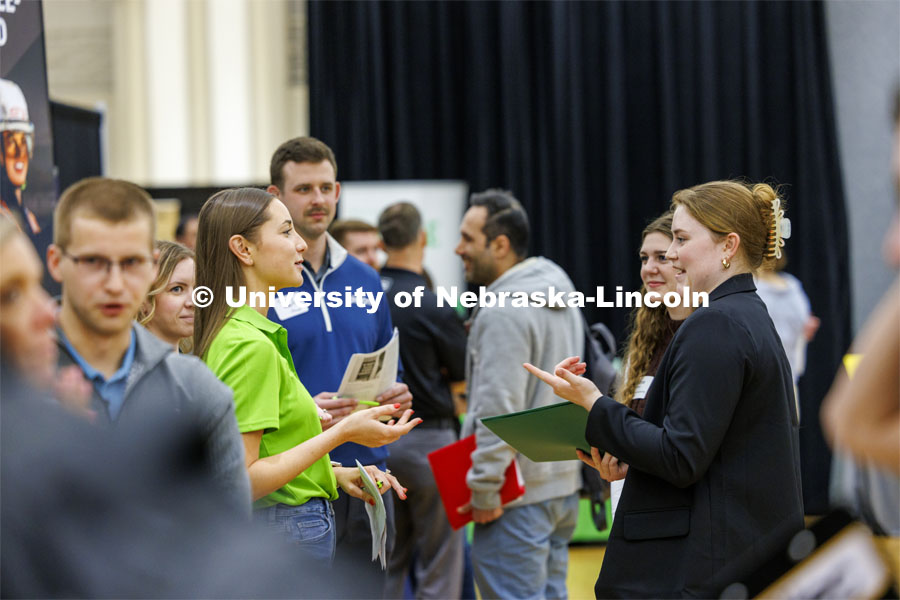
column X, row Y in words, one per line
column 714, row 463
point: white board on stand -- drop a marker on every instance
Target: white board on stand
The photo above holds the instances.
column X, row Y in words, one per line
column 442, row 204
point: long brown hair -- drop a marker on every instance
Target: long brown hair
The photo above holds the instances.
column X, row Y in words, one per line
column 231, row 212
column 649, row 327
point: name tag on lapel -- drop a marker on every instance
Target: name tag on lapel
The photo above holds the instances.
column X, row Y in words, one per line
column 641, row 390
column 288, row 309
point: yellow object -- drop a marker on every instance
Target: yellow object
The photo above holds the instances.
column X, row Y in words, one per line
column 168, row 211
column 890, row 549
column 851, row 361
column 584, row 566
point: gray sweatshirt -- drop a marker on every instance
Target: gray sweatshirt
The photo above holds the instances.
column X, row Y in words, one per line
column 164, row 384
column 500, row 340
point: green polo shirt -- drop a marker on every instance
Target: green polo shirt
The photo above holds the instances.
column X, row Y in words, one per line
column 250, row 355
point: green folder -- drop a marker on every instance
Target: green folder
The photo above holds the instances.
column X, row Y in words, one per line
column 544, row 434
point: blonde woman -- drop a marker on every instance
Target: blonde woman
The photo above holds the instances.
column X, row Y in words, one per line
column 168, row 311
column 714, row 464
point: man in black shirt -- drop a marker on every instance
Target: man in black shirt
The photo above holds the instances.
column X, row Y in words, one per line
column 433, row 350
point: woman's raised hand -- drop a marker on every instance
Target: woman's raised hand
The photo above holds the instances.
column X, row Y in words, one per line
column 567, row 382
column 363, row 426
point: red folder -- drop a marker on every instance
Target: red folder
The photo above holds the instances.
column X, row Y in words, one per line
column 450, row 465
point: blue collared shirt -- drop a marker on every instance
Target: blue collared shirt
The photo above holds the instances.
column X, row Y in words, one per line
column 111, row 390
column 326, row 264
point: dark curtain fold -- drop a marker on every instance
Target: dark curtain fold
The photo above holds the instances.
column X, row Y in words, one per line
column 76, row 155
column 593, row 114
column 76, row 143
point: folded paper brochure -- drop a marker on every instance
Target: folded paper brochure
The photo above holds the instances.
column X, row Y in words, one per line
column 377, row 517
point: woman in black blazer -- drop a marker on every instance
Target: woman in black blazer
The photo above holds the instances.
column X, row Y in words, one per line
column 714, row 466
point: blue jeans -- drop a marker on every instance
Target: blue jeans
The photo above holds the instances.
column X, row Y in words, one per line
column 524, row 553
column 309, row 526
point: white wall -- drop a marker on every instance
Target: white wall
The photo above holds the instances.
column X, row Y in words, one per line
column 864, row 47
column 194, row 92
column 441, row 204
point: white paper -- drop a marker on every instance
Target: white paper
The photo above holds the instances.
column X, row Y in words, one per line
column 642, row 387
column 377, row 517
column 370, row 374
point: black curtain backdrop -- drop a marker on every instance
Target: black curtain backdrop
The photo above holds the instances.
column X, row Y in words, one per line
column 76, row 155
column 76, row 143
column 593, row 114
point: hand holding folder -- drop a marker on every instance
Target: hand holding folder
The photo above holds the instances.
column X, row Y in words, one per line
column 544, row 434
column 450, row 465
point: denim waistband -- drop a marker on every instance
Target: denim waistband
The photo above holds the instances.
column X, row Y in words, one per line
column 313, row 505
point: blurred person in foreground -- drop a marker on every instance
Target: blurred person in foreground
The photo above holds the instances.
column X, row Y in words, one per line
column 862, row 415
column 433, row 351
column 104, row 258
column 27, row 315
column 28, row 348
column 110, row 513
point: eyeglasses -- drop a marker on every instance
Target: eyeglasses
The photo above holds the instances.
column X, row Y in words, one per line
column 95, row 265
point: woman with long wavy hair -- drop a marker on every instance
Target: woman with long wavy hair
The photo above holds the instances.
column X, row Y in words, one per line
column 652, row 329
column 246, row 239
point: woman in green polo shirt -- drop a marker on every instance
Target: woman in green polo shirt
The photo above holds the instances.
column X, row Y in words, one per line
column 246, row 238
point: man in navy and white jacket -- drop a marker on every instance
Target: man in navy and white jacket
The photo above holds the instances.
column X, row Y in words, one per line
column 321, row 338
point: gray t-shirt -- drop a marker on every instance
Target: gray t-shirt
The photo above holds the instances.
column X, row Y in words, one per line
column 789, row 308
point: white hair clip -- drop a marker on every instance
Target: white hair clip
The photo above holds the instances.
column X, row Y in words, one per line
column 781, row 229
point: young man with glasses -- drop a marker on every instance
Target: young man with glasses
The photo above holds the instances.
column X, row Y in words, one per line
column 103, row 256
